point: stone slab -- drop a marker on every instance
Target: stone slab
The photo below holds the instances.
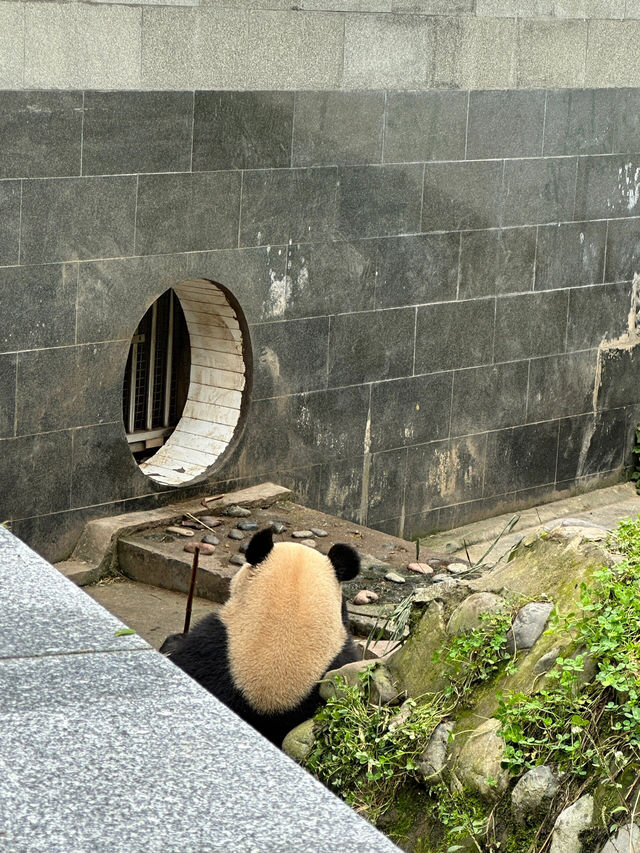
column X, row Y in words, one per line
column 76, row 45
column 45, row 614
column 124, row 752
column 121, row 751
column 11, row 45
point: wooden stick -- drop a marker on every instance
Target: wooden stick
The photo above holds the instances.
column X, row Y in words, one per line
column 192, row 586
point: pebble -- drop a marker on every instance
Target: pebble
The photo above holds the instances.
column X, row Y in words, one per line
column 278, row 527
column 441, row 578
column 365, row 596
column 458, row 568
column 243, row 547
column 247, row 525
column 420, row 568
column 302, row 534
column 204, row 547
column 210, row 520
column 210, row 539
column 235, row 534
column 180, row 531
column 310, row 543
column 194, row 525
column 319, row 532
column 237, row 560
column 394, row 577
column 236, row 511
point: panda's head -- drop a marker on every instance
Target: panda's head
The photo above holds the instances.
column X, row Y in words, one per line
column 342, row 560
column 284, row 619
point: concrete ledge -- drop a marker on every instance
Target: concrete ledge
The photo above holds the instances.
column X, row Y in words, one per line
column 95, row 554
column 107, row 746
column 409, row 44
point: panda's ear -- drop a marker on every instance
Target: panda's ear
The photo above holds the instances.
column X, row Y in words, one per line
column 259, row 547
column 345, row 561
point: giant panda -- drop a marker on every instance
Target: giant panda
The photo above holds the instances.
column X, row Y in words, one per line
column 283, row 627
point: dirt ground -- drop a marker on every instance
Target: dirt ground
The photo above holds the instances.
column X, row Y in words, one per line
column 152, row 612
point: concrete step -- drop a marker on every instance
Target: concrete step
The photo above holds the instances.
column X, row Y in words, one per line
column 167, row 565
column 97, row 547
column 80, row 572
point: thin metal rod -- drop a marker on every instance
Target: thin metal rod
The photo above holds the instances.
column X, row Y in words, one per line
column 132, row 387
column 192, row 586
column 169, row 366
column 151, row 370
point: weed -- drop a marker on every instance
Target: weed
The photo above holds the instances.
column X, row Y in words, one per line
column 361, row 755
column 476, row 656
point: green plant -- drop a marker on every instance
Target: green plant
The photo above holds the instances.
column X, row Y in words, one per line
column 366, row 752
column 476, row 656
column 589, row 731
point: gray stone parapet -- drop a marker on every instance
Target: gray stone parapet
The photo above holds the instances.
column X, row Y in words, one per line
column 318, row 45
column 106, row 746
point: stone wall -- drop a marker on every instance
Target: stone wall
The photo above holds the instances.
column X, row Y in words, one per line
column 428, row 279
column 319, row 44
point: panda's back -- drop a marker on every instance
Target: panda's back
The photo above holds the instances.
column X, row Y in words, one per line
column 284, row 628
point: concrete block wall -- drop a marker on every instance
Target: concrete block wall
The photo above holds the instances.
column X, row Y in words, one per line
column 455, row 266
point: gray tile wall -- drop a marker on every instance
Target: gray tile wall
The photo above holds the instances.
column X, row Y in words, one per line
column 452, row 263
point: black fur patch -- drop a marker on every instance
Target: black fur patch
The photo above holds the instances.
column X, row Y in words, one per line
column 260, row 546
column 345, row 561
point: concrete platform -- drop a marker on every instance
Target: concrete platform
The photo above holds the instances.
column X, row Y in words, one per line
column 604, row 507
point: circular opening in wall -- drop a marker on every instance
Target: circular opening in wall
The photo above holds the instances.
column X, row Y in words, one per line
column 185, row 382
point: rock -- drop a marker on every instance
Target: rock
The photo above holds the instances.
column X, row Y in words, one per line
column 479, row 766
column 235, row 534
column 440, row 578
column 444, row 589
column 194, row 525
column 247, row 525
column 362, row 624
column 310, row 543
column 404, row 712
column 420, row 568
column 627, row 840
column 243, row 546
column 180, row 531
column 204, row 547
column 237, row 560
column 528, row 625
column 350, row 672
column 466, row 616
column 570, row 823
column 302, row 534
column 458, row 568
column 365, row 596
column 378, row 649
column 433, row 760
column 412, row 665
column 235, row 511
column 210, row 521
column 278, row 527
column 210, row 539
column 546, row 662
column 382, row 689
column 299, row 742
column 533, row 793
column 394, row 577
column 319, row 532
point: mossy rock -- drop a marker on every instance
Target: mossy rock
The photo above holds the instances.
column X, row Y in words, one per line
column 412, row 665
